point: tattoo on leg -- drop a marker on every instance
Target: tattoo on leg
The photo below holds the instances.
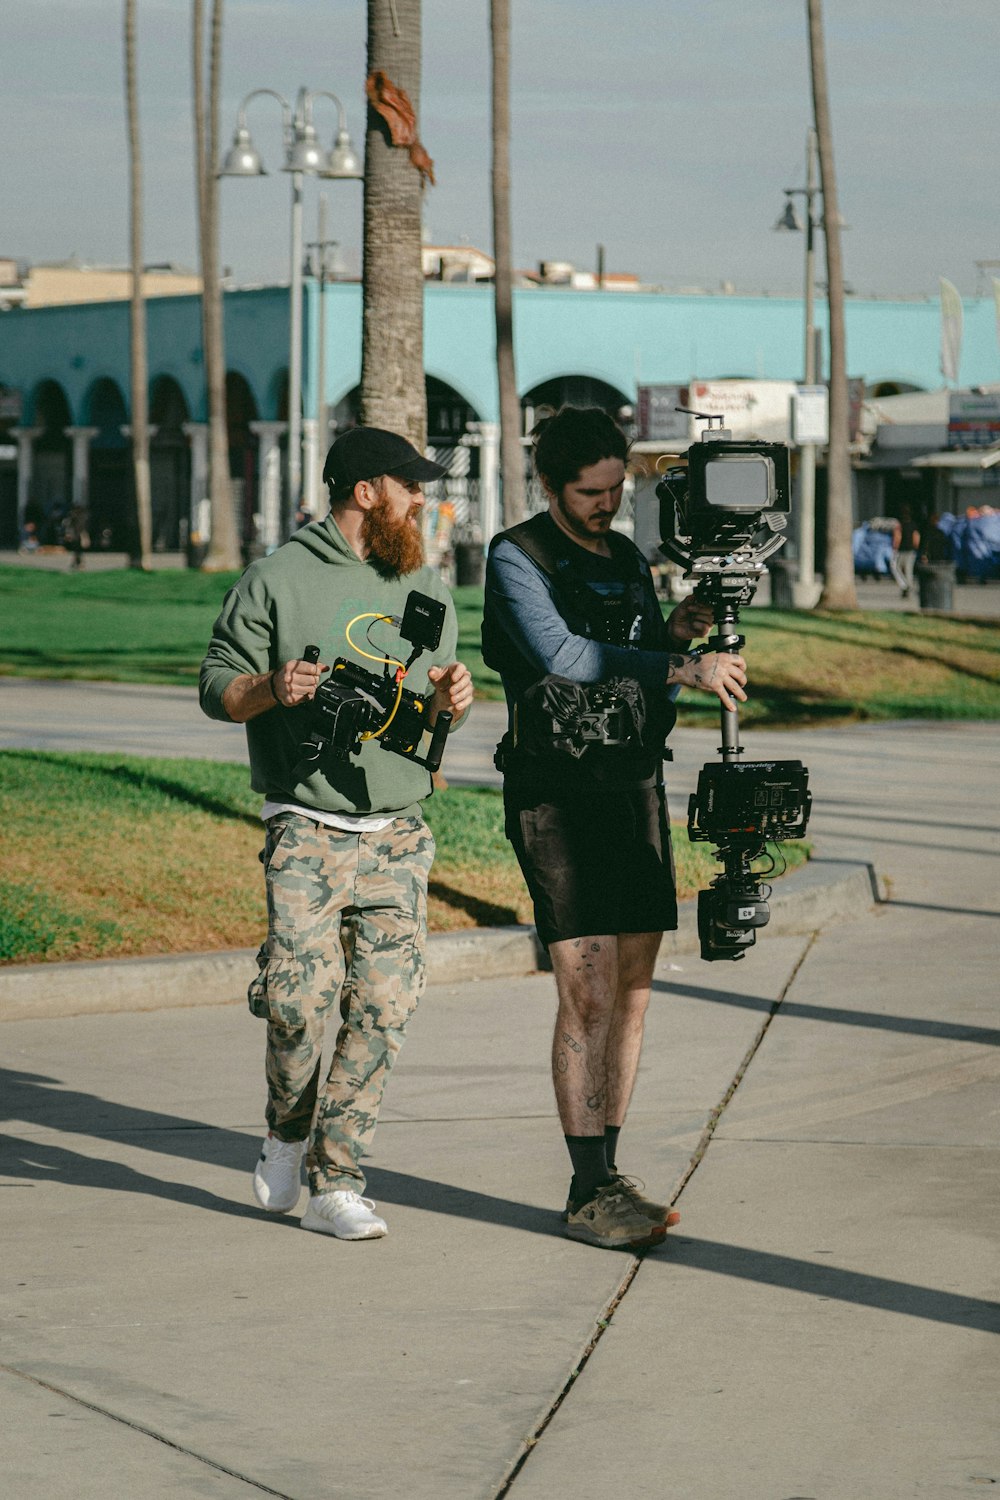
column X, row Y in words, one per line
column 562, row 1062
column 596, row 1101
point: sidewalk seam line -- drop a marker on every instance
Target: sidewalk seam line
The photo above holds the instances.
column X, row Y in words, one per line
column 157, row 1437
column 610, row 1308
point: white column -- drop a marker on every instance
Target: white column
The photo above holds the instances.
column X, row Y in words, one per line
column 201, row 506
column 269, row 436
column 489, row 479
column 25, row 452
column 311, row 466
column 81, row 438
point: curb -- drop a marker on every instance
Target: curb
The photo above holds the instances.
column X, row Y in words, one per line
column 825, row 890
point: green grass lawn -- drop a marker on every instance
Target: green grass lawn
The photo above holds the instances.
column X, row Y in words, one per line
column 805, row 667
column 108, row 856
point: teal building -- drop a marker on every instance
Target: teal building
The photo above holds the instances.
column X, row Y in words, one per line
column 65, row 410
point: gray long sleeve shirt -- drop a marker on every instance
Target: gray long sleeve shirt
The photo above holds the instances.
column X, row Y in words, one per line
column 534, row 639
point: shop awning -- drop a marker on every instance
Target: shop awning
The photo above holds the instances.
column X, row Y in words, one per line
column 958, row 458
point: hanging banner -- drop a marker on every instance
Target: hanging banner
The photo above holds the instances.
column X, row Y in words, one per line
column 951, row 329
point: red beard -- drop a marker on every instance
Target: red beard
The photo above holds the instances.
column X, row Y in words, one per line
column 393, row 547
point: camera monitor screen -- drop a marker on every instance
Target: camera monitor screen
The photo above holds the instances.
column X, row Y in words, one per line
column 740, row 481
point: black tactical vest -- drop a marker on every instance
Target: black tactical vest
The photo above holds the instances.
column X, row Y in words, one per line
column 610, row 619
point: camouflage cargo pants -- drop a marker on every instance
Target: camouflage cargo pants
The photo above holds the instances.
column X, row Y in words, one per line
column 347, row 922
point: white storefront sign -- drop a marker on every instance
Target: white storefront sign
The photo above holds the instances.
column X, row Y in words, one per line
column 811, row 416
column 750, row 408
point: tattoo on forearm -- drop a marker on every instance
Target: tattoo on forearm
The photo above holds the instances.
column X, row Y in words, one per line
column 675, row 664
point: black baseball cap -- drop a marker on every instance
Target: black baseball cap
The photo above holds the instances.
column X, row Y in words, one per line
column 365, row 452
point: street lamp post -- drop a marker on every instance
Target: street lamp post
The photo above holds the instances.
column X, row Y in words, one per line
column 303, row 155
column 806, row 591
column 322, row 267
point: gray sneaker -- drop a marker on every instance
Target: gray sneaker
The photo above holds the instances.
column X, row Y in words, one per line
column 610, row 1219
column 656, row 1213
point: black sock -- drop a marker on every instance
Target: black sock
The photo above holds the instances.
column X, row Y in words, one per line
column 611, row 1134
column 590, row 1166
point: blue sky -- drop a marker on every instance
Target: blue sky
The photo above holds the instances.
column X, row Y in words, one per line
column 663, row 129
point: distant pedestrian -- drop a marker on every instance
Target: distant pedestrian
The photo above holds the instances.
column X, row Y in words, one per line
column 906, row 541
column 29, row 537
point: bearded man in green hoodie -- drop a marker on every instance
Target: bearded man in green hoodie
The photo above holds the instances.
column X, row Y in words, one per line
column 347, row 852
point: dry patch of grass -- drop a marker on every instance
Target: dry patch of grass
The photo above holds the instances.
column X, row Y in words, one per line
column 110, row 856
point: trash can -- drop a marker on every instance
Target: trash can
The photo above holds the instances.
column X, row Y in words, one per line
column 783, row 572
column 470, row 565
column 935, row 584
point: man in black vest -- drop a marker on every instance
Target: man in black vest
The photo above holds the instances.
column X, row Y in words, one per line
column 574, row 628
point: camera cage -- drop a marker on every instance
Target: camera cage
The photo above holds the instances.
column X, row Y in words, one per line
column 726, row 509
column 353, row 704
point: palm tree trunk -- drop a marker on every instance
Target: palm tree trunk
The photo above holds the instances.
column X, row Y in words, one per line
column 223, row 551
column 838, row 588
column 393, row 393
column 141, row 552
column 511, row 451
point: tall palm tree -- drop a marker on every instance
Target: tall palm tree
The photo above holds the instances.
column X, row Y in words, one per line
column 511, row 452
column 393, row 394
column 223, row 550
column 142, row 550
column 838, row 588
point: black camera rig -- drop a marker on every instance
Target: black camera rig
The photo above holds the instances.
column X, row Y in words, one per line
column 353, row 705
column 720, row 519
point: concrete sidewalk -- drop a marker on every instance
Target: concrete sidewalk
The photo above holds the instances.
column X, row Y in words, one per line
column 820, row 1326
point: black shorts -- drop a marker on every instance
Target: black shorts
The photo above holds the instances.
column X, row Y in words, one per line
column 595, row 855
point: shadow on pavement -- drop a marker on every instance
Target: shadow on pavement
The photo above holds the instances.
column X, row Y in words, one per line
column 984, row 1036
column 835, row 1284
column 33, row 1095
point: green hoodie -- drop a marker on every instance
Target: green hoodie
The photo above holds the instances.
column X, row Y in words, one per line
column 305, row 594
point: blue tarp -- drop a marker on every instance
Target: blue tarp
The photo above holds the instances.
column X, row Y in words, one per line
column 872, row 550
column 976, row 540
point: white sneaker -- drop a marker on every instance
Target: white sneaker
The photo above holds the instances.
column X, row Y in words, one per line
column 345, row 1214
column 276, row 1181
